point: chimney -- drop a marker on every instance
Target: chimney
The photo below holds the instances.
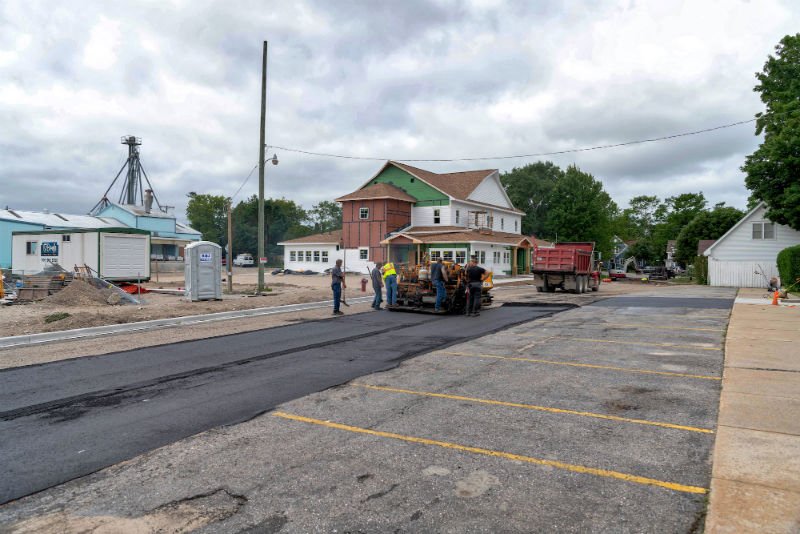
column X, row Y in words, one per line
column 148, row 200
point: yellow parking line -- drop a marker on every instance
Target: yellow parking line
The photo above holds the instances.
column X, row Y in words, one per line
column 499, row 454
column 641, row 343
column 644, row 326
column 573, row 364
column 538, row 408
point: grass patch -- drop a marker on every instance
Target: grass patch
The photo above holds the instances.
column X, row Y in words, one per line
column 53, row 317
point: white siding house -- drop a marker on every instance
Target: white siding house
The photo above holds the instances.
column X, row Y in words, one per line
column 750, row 248
column 490, row 191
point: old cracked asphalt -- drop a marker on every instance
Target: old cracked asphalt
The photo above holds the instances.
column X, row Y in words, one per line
column 595, row 419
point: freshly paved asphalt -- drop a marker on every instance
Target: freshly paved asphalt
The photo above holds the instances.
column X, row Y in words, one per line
column 66, row 419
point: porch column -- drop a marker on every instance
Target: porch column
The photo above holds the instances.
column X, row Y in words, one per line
column 514, row 261
column 419, row 255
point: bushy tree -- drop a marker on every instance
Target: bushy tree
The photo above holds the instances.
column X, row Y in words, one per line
column 581, row 210
column 705, row 225
column 283, row 219
column 530, row 189
column 326, row 216
column 773, row 170
column 208, row 214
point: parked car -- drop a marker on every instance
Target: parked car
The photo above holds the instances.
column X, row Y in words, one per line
column 244, row 260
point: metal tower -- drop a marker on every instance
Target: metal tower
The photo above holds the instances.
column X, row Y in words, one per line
column 133, row 192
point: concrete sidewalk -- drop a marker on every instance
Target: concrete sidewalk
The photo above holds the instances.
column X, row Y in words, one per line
column 755, row 484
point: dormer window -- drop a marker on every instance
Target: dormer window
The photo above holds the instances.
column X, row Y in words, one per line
column 363, row 213
column 437, row 216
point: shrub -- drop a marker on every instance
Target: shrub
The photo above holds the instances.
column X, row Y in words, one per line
column 701, row 270
column 789, row 267
column 53, row 317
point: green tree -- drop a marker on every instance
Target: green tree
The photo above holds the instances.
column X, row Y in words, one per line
column 283, row 219
column 530, row 189
column 580, row 210
column 706, row 225
column 326, row 216
column 208, row 214
column 773, row 169
column 642, row 215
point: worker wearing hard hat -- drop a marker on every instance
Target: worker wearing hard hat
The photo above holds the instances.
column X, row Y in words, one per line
column 390, row 281
column 475, row 277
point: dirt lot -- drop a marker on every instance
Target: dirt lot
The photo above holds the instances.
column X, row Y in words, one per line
column 88, row 309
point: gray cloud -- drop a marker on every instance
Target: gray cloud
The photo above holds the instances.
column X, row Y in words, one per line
column 409, row 79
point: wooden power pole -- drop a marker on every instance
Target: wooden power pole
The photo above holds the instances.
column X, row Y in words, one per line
column 229, row 263
column 261, row 148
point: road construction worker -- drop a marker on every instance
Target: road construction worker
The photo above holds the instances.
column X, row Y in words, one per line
column 377, row 286
column 390, row 281
column 438, row 278
column 475, row 277
column 337, row 283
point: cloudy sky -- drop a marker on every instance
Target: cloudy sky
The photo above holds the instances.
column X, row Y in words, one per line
column 402, row 80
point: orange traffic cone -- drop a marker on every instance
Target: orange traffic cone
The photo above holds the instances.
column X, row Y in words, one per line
column 775, row 298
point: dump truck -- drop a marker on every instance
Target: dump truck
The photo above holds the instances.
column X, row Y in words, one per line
column 568, row 266
column 416, row 293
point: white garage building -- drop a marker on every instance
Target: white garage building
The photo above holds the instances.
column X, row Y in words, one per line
column 117, row 254
column 750, row 248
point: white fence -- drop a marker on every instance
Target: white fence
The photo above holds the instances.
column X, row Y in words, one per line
column 740, row 273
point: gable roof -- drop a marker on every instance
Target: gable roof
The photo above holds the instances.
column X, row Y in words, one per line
column 758, row 206
column 334, row 237
column 458, row 185
column 703, row 245
column 378, row 191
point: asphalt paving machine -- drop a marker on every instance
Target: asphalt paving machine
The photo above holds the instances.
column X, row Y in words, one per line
column 416, row 293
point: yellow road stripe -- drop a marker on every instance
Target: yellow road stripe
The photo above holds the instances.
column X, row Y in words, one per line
column 628, row 325
column 499, row 454
column 642, row 343
column 538, row 408
column 589, row 365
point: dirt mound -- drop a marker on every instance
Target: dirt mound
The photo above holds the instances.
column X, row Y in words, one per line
column 79, row 293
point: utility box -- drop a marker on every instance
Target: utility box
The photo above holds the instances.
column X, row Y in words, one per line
column 203, row 271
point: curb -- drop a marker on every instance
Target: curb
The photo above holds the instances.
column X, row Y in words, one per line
column 97, row 331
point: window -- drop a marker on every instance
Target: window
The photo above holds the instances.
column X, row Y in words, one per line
column 324, row 256
column 490, row 221
column 30, row 248
column 461, row 256
column 437, row 216
column 316, row 255
column 447, row 255
column 363, row 254
column 495, row 257
column 363, row 213
column 763, row 230
column 308, row 255
column 66, row 238
column 480, row 256
column 502, row 223
column 516, row 223
column 458, row 217
column 435, row 255
column 506, row 257
column 293, row 255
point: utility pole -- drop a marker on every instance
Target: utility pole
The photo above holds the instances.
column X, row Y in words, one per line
column 261, row 147
column 229, row 263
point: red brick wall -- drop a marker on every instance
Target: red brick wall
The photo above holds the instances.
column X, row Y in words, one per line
column 384, row 217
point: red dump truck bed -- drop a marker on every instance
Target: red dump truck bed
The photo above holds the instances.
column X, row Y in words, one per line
column 565, row 258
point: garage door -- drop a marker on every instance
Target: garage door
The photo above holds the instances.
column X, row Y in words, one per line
column 124, row 256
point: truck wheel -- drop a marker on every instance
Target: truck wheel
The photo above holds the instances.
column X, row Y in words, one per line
column 585, row 284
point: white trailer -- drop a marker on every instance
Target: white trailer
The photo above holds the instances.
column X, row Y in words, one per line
column 117, row 254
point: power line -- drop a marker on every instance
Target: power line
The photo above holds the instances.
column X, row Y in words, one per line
column 538, row 154
column 245, row 181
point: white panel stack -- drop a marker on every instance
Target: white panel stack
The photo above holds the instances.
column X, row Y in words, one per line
column 203, row 271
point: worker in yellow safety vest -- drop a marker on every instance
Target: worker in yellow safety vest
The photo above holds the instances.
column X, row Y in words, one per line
column 390, row 281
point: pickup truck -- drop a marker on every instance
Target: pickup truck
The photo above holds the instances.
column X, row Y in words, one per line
column 244, row 260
